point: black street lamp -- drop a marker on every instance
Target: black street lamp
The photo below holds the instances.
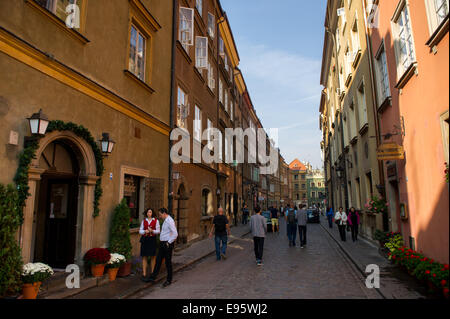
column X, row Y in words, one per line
column 38, row 123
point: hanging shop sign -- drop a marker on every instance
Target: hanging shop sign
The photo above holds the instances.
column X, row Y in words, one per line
column 390, row 151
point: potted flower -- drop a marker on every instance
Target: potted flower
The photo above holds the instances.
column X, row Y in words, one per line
column 114, row 264
column 376, row 205
column 119, row 237
column 97, row 259
column 33, row 274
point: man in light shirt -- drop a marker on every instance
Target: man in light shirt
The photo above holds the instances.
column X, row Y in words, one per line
column 166, row 244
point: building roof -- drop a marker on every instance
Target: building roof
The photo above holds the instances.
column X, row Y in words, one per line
column 297, row 165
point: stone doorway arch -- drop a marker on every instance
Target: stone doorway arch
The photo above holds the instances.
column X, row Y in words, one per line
column 86, row 180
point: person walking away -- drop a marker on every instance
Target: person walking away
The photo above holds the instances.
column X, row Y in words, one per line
column 258, row 225
column 222, row 231
column 245, row 214
column 302, row 221
column 166, row 244
column 330, row 216
column 353, row 221
column 291, row 220
column 149, row 229
column 341, row 220
column 274, row 214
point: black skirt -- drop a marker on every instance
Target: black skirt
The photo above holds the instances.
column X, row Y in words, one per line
column 148, row 246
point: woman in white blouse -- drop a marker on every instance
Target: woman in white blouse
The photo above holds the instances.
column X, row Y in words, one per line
column 341, row 220
column 149, row 229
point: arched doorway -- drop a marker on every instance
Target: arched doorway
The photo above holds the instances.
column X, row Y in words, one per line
column 56, row 209
column 61, row 181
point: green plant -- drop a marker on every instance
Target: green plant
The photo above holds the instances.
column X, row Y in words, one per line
column 394, row 244
column 119, row 238
column 446, row 172
column 37, row 272
column 10, row 255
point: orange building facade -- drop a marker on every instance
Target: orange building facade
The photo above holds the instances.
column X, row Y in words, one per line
column 410, row 50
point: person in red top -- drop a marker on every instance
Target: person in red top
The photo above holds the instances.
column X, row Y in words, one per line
column 353, row 221
column 149, row 229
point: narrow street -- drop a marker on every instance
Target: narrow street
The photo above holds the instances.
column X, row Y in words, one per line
column 318, row 271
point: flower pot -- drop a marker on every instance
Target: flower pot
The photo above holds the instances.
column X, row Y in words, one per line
column 124, row 270
column 112, row 273
column 30, row 291
column 98, row 270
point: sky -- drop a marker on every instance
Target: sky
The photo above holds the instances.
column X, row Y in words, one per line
column 280, row 46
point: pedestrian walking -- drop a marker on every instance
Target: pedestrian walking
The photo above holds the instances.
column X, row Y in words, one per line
column 148, row 230
column 291, row 220
column 222, row 231
column 258, row 225
column 166, row 245
column 330, row 216
column 353, row 221
column 341, row 220
column 274, row 218
column 302, row 221
column 245, row 213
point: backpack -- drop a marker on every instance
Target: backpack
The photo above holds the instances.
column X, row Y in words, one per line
column 291, row 216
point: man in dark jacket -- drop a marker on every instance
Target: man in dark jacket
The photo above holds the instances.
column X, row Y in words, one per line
column 302, row 220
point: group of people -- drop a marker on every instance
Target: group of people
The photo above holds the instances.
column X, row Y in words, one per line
column 345, row 221
column 296, row 219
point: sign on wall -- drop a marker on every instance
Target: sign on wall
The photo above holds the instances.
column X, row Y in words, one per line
column 390, row 151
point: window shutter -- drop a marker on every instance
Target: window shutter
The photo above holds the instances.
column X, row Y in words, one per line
column 201, row 52
column 186, row 26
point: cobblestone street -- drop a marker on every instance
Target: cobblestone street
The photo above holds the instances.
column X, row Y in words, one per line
column 318, row 271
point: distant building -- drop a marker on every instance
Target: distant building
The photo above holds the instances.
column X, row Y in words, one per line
column 315, row 188
column 298, row 172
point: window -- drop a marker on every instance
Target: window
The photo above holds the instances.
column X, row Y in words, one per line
column 346, row 128
column 136, row 63
column 303, row 177
column 211, row 25
column 358, row 194
column 313, row 194
column 221, row 47
column 201, row 52
column 205, row 204
column 348, row 62
column 303, row 186
column 341, row 81
column 199, row 6
column 183, row 109
column 369, row 188
column 211, row 80
column 186, row 32
column 403, row 39
column 59, row 7
column 131, row 192
column 383, row 77
column 226, row 100
column 313, row 185
column 232, row 110
column 338, row 40
column 198, row 124
column 228, row 150
column 437, row 10
column 220, row 91
column 352, row 120
column 296, row 186
column 362, row 105
column 220, row 146
column 209, row 127
column 296, row 177
column 355, row 39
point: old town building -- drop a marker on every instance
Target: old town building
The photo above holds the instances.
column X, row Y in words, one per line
column 298, row 172
column 349, row 123
column 87, row 83
column 315, row 187
column 410, row 52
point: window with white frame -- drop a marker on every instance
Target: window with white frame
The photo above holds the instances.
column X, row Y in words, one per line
column 383, row 77
column 138, row 44
column 437, row 11
column 183, row 109
column 211, row 79
column 356, row 45
column 403, row 40
column 362, row 106
column 220, row 91
column 201, row 52
column 211, row 25
column 221, row 47
column 186, row 28
column 226, row 100
column 59, row 7
column 199, row 6
column 220, row 146
column 198, row 124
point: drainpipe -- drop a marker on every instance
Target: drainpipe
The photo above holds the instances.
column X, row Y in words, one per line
column 375, row 111
column 172, row 99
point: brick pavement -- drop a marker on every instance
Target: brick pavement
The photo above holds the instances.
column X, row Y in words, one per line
column 318, row 271
column 125, row 287
column 394, row 283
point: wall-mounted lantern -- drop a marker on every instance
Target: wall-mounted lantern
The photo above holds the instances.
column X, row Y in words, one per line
column 38, row 123
column 107, row 144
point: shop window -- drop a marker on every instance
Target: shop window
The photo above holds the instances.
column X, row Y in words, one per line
column 131, row 190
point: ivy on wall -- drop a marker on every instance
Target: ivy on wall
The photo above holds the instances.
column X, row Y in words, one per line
column 29, row 153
